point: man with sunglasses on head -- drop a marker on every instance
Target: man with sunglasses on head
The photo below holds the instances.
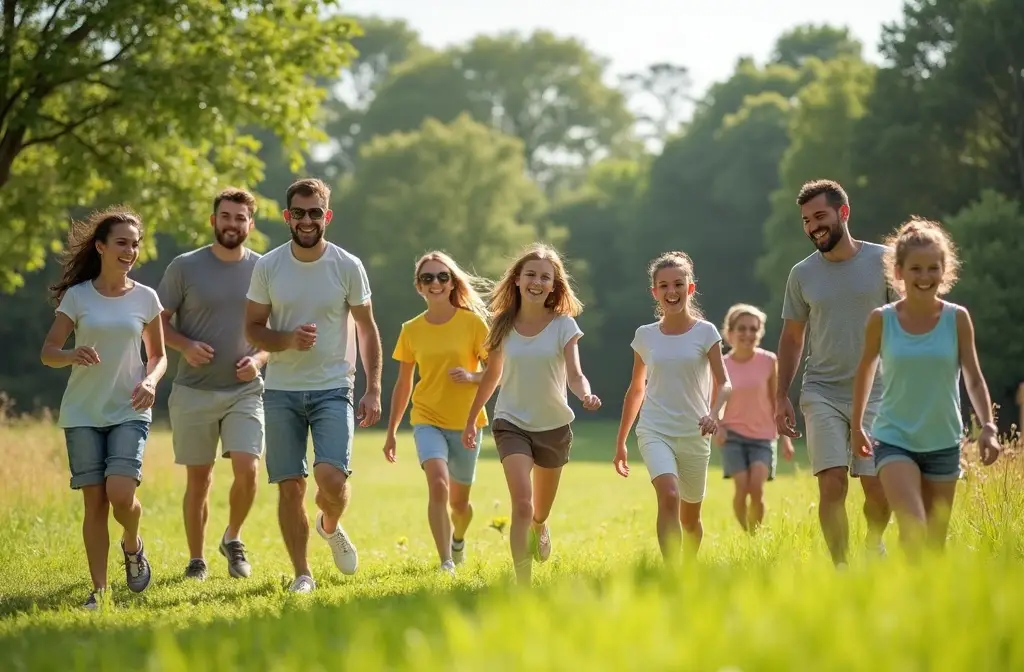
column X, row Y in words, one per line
column 307, row 302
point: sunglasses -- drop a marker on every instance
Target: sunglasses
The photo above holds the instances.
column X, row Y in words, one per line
column 428, row 278
column 315, row 214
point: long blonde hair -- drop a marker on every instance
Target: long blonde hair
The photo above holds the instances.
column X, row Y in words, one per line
column 505, row 300
column 682, row 261
column 466, row 288
column 919, row 232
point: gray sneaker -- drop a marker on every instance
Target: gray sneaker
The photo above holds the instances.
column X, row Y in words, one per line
column 234, row 551
column 136, row 569
column 94, row 601
column 196, row 569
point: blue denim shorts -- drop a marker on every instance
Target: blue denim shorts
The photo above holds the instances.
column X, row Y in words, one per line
column 935, row 465
column 739, row 453
column 446, row 444
column 291, row 417
column 94, row 453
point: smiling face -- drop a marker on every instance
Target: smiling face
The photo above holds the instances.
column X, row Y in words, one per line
column 536, row 281
column 308, row 218
column 823, row 223
column 745, row 334
column 434, row 282
column 231, row 224
column 672, row 288
column 120, row 250
column 922, row 270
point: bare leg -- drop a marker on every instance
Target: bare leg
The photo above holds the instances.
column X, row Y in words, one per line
column 739, row 498
column 833, row 484
column 333, row 492
column 126, row 508
column 670, row 532
column 243, row 491
column 876, row 510
column 938, row 505
column 462, row 509
column 758, row 477
column 436, row 471
column 96, row 533
column 517, row 469
column 902, row 483
column 291, row 516
column 196, row 506
column 693, row 528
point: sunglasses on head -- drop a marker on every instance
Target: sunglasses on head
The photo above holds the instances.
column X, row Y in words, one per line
column 428, row 278
column 315, row 214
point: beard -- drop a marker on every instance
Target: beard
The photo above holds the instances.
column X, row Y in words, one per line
column 228, row 241
column 308, row 240
column 827, row 244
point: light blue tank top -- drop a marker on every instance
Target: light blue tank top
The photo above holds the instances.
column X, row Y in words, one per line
column 920, row 408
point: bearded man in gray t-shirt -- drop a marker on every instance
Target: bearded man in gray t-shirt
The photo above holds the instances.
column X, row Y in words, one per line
column 218, row 391
column 829, row 296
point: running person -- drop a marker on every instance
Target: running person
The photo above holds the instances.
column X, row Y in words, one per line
column 107, row 406
column 829, row 296
column 307, row 302
column 747, row 432
column 533, row 353
column 217, row 393
column 678, row 387
column 446, row 344
column 925, row 342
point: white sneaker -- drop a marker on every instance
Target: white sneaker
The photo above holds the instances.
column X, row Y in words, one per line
column 541, row 543
column 459, row 554
column 345, row 556
column 302, row 584
column 448, row 566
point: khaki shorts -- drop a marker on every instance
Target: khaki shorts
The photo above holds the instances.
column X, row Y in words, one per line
column 686, row 458
column 549, row 449
column 827, row 426
column 201, row 418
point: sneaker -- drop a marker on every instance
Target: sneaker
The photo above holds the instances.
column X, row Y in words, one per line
column 345, row 556
column 234, row 551
column 94, row 601
column 196, row 569
column 302, row 584
column 136, row 569
column 448, row 566
column 458, row 551
column 540, row 544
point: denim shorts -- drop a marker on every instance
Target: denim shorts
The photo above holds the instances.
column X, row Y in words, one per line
column 935, row 465
column 291, row 416
column 739, row 453
column 94, row 453
column 446, row 444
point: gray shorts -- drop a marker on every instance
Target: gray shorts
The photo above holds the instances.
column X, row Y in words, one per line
column 201, row 418
column 827, row 427
column 739, row 453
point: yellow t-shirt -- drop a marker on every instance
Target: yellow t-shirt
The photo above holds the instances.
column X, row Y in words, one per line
column 435, row 349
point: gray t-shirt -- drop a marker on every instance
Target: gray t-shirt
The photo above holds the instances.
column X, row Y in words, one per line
column 207, row 296
column 835, row 299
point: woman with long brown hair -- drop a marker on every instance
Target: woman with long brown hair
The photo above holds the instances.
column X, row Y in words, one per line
column 532, row 352
column 446, row 343
column 107, row 406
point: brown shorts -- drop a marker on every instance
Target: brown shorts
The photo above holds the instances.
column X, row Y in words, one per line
column 549, row 449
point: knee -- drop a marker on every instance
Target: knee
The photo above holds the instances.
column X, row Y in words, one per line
column 522, row 508
column 120, row 494
column 438, row 488
column 96, row 502
column 292, row 492
column 833, row 485
column 668, row 499
column 330, row 480
column 461, row 507
column 691, row 525
column 199, row 480
column 246, row 473
column 756, row 491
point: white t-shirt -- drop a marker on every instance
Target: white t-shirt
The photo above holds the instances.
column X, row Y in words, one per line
column 532, row 395
column 101, row 395
column 678, row 378
column 318, row 292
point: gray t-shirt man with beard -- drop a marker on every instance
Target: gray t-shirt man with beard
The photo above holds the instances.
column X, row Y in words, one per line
column 217, row 395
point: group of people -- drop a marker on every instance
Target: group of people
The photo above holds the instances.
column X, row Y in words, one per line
column 303, row 311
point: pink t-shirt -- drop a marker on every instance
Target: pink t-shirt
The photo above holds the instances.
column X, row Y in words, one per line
column 749, row 409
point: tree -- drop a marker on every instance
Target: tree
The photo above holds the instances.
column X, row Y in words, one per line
column 664, row 89
column 142, row 102
column 824, row 42
column 990, row 235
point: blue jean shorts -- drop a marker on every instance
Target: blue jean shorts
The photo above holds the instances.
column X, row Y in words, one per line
column 94, row 453
column 739, row 453
column 935, row 465
column 291, row 416
column 446, row 444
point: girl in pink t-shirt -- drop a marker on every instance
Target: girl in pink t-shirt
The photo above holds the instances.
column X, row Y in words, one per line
column 747, row 432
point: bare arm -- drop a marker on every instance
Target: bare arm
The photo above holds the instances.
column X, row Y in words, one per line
column 974, row 381
column 865, row 375
column 259, row 334
column 488, row 384
column 723, row 386
column 400, row 395
column 633, row 400
column 791, row 348
column 574, row 378
column 369, row 345
column 174, row 339
column 53, row 353
column 156, row 355
column 773, row 381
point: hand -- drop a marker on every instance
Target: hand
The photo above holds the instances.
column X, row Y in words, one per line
column 469, row 436
column 198, row 353
column 591, row 402
column 861, row 443
column 143, row 395
column 785, row 418
column 621, row 465
column 988, row 445
column 787, row 448
column 390, row 446
column 304, row 337
column 460, row 375
column 721, row 434
column 368, row 413
column 708, row 425
column 246, row 369
column 85, row 356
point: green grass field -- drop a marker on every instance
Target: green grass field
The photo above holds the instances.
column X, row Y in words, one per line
column 602, row 601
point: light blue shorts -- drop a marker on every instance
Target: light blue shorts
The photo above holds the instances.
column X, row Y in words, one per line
column 935, row 465
column 434, row 443
column 94, row 453
column 292, row 416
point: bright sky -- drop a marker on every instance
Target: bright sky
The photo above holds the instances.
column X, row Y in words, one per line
column 706, row 36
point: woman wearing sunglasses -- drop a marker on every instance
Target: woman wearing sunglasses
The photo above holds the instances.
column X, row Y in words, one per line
column 446, row 343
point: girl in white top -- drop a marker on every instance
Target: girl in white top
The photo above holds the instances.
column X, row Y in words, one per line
column 679, row 387
column 533, row 354
column 106, row 409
